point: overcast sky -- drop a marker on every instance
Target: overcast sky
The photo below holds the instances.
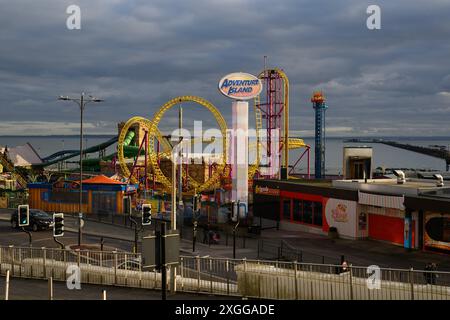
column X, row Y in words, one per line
column 139, row 54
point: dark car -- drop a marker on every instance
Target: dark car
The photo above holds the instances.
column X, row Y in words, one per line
column 39, row 220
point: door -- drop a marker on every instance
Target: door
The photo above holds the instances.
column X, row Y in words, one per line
column 104, row 202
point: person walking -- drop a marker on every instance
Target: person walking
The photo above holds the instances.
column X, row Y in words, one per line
column 430, row 274
column 433, row 269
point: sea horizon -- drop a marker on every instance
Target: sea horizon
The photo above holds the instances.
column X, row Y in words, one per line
column 304, row 137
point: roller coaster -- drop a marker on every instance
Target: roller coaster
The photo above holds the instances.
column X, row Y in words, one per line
column 140, row 154
column 154, row 147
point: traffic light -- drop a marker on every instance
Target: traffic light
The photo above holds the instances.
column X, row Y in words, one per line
column 58, row 225
column 23, row 215
column 146, row 214
column 234, row 211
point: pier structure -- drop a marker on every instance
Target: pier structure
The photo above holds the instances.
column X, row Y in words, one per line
column 432, row 152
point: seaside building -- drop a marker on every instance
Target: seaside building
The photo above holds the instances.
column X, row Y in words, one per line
column 414, row 214
column 101, row 195
column 21, row 156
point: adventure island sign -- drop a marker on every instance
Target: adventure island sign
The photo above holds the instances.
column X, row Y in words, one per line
column 240, row 86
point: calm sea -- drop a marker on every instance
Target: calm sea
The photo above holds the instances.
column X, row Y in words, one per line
column 383, row 155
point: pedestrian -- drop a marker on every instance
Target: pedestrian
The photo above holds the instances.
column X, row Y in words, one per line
column 344, row 266
column 427, row 274
column 433, row 268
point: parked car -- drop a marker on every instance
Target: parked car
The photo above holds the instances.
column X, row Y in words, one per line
column 39, row 220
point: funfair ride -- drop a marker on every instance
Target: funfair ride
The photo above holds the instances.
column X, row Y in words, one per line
column 156, row 147
column 318, row 101
column 272, row 120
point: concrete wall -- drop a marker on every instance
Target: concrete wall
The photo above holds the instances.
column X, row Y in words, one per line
column 270, row 282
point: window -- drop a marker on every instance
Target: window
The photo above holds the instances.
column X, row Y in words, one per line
column 287, row 209
column 317, row 214
column 298, row 209
column 303, row 211
column 307, row 212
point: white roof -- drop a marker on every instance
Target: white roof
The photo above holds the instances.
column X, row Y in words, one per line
column 22, row 156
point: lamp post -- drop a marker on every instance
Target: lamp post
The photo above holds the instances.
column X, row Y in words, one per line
column 81, row 102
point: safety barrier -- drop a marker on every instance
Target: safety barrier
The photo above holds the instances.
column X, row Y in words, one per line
column 231, row 277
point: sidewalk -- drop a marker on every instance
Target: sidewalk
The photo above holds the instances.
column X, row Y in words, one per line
column 356, row 252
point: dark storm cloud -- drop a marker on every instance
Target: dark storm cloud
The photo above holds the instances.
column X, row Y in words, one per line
column 139, row 54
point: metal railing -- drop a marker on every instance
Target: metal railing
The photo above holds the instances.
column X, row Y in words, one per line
column 307, row 281
column 281, row 250
column 231, row 277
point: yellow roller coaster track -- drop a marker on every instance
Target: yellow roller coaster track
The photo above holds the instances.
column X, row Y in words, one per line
column 120, row 154
column 220, row 170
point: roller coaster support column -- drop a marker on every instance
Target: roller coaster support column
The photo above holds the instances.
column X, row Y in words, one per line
column 239, row 151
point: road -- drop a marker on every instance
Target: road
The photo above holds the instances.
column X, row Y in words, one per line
column 314, row 248
column 17, row 237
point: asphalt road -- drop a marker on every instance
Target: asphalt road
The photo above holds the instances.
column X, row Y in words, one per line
column 17, row 237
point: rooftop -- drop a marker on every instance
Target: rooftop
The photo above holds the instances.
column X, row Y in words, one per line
column 389, row 186
column 101, row 179
column 412, row 187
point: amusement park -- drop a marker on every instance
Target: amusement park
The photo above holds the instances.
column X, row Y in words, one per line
column 150, row 194
column 222, row 157
column 203, row 175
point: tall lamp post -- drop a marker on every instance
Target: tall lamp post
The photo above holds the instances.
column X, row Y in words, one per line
column 81, row 102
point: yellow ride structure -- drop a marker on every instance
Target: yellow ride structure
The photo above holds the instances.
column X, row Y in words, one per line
column 221, row 169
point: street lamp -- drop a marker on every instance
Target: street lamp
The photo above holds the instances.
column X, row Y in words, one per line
column 81, row 102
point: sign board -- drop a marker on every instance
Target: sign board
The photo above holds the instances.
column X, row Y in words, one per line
column 437, row 231
column 131, row 188
column 151, row 252
column 240, row 86
column 267, row 191
column 342, row 215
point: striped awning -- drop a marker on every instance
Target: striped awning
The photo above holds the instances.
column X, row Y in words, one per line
column 381, row 200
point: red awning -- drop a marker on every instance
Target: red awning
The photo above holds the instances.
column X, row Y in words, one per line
column 101, row 179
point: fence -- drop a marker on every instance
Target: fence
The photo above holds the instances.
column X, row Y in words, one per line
column 230, row 277
column 307, row 281
column 117, row 219
column 270, row 250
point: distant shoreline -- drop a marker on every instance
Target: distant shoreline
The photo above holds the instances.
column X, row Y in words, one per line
column 304, row 137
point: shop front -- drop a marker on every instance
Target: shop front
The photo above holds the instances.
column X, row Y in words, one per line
column 101, row 195
column 308, row 207
column 413, row 221
column 389, row 220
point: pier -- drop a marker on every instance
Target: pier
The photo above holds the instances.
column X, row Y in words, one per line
column 432, row 152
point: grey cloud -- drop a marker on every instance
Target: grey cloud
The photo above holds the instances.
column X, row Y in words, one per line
column 139, row 54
